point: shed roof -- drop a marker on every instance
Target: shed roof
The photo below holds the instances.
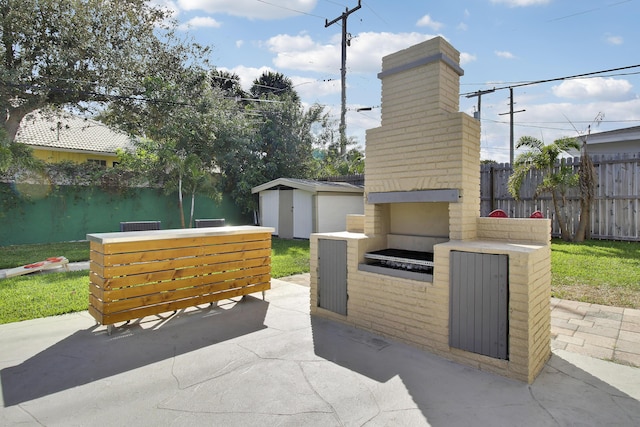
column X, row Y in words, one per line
column 309, row 185
column 67, row 132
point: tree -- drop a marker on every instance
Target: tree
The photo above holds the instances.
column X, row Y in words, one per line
column 331, row 163
column 557, row 179
column 273, row 137
column 81, row 52
column 179, row 118
column 228, row 83
column 273, row 84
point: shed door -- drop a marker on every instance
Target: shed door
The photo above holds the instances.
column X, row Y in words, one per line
column 332, row 275
column 285, row 219
column 478, row 316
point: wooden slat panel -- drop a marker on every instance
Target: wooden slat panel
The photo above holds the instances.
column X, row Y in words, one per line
column 151, row 288
column 192, row 252
column 109, row 319
column 96, row 257
column 332, row 275
column 95, row 246
column 168, row 274
column 180, row 294
column 208, row 265
column 162, row 276
column 478, row 304
column 185, row 242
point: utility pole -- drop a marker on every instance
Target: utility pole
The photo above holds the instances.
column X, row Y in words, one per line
column 479, row 95
column 511, row 113
column 346, row 41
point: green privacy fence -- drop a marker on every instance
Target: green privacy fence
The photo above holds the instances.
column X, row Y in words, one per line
column 42, row 214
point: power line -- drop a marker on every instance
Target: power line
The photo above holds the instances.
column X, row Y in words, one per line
column 575, row 76
column 584, row 12
column 290, row 9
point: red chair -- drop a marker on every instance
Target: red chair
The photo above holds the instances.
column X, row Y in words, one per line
column 537, row 214
column 498, row 213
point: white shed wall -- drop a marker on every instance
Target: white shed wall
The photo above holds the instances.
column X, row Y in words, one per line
column 269, row 209
column 302, row 214
column 333, row 210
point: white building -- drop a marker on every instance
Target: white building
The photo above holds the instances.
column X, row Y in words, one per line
column 295, row 208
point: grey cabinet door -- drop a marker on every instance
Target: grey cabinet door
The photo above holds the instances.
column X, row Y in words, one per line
column 332, row 275
column 478, row 317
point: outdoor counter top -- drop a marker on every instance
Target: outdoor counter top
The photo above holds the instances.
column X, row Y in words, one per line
column 138, row 236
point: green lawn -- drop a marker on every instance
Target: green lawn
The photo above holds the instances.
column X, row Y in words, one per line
column 600, row 272
column 597, row 271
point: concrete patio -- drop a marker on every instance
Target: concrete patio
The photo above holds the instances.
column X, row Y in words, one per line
column 270, row 363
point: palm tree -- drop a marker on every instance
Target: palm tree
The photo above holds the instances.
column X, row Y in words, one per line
column 557, row 179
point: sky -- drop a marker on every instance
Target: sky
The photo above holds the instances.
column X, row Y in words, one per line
column 503, row 43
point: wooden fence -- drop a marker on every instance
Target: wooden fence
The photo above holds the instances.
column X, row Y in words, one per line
column 614, row 213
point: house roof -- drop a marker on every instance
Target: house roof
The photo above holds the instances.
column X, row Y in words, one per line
column 66, row 132
column 309, row 185
column 617, row 135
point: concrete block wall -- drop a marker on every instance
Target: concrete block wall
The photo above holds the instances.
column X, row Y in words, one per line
column 424, row 143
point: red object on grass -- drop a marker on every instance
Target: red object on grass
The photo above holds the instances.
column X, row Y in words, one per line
column 34, row 265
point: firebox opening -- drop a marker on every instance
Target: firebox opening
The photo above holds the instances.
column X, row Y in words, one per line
column 414, row 229
column 419, row 219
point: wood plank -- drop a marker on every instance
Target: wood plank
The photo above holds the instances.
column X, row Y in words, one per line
column 171, row 285
column 109, row 319
column 162, row 276
column 184, row 242
column 97, row 315
column 192, row 252
column 179, row 295
column 208, row 263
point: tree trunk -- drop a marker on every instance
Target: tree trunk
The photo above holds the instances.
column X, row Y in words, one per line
column 180, row 205
column 564, row 231
column 193, row 202
column 12, row 122
column 587, row 190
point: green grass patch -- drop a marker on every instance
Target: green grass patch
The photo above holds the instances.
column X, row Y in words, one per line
column 18, row 255
column 289, row 257
column 42, row 295
column 597, row 271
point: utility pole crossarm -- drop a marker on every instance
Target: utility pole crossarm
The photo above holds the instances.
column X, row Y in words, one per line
column 343, row 16
column 343, row 73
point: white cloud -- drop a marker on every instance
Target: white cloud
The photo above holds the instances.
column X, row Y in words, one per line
column 201, row 22
column 504, row 54
column 239, row 43
column 462, row 26
column 427, row 21
column 614, row 40
column 466, row 58
column 599, row 88
column 521, row 3
column 363, row 56
column 251, row 9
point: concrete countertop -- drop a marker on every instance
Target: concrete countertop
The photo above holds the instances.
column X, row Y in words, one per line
column 137, row 236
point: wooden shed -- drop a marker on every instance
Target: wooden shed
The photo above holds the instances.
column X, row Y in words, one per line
column 295, row 208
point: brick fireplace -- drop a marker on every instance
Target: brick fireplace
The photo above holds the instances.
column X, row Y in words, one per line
column 421, row 266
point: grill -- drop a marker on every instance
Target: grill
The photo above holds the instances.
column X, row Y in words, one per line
column 402, row 259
